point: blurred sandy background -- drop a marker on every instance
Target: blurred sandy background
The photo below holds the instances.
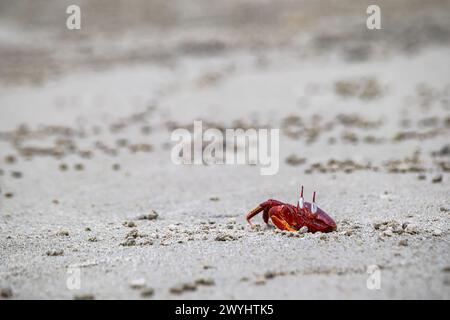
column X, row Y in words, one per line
column 85, row 124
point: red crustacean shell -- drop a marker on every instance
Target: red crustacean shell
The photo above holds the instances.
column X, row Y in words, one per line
column 289, row 217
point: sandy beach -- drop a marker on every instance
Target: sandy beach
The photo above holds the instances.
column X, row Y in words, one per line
column 93, row 207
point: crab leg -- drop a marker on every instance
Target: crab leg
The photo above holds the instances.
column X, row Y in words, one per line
column 265, row 206
column 257, row 210
column 253, row 213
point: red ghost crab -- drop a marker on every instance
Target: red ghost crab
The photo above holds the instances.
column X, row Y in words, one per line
column 291, row 218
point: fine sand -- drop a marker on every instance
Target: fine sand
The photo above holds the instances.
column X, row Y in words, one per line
column 92, row 206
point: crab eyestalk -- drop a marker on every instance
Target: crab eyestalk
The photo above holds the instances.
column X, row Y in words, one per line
column 301, row 201
column 313, row 203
